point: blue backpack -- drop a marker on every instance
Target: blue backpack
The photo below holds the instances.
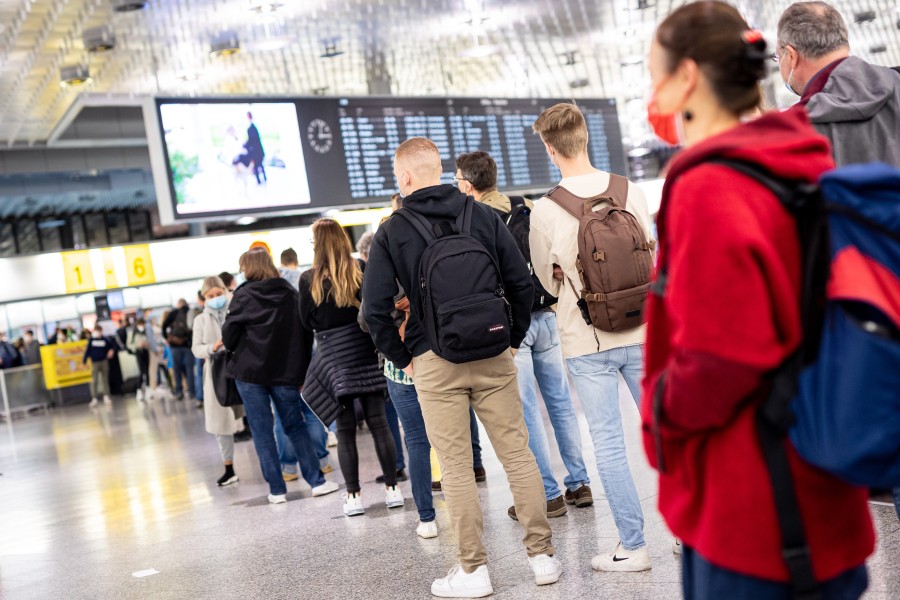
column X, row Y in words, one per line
column 838, row 396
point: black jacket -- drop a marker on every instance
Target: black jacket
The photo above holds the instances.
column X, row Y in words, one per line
column 263, row 331
column 170, row 322
column 394, row 257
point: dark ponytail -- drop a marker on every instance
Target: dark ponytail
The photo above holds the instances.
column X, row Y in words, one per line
column 730, row 54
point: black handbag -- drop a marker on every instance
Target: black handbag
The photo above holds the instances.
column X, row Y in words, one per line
column 226, row 390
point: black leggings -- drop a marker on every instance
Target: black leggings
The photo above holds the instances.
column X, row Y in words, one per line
column 374, row 413
column 143, row 361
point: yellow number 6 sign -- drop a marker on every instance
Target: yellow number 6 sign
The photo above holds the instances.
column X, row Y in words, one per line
column 139, row 265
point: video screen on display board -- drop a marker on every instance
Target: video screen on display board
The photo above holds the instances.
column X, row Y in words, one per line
column 234, row 157
column 223, row 157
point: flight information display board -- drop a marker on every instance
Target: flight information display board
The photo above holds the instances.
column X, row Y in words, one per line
column 346, row 148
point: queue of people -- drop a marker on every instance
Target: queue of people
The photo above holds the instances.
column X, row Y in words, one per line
column 468, row 301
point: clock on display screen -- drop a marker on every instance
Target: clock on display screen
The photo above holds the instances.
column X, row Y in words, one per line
column 319, row 135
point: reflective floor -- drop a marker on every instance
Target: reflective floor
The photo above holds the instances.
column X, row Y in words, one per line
column 89, row 501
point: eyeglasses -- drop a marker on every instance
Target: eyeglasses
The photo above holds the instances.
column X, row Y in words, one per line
column 456, row 180
column 775, row 58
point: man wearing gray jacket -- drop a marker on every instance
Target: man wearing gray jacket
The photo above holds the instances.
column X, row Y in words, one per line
column 854, row 103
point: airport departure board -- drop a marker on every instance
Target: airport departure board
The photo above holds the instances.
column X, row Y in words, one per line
column 234, row 156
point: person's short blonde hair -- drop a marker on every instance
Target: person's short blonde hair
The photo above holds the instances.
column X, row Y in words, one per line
column 563, row 128
column 420, row 156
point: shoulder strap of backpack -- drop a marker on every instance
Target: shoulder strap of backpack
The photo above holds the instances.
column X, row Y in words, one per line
column 774, row 417
column 419, row 223
column 616, row 194
column 464, row 220
column 517, row 204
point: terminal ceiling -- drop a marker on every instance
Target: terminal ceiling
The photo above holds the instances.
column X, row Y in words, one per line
column 558, row 48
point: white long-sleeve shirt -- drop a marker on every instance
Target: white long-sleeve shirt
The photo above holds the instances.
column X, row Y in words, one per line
column 554, row 240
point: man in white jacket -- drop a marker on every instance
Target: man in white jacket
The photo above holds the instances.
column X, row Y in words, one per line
column 594, row 358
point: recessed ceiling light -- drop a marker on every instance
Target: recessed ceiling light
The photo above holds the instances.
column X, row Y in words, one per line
column 98, row 39
column 865, row 16
column 123, row 6
column 225, row 44
column 878, row 49
column 579, row 83
column 74, row 75
column 188, row 76
column 331, row 48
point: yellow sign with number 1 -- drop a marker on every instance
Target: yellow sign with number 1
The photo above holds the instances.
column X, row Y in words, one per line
column 139, row 265
column 78, row 271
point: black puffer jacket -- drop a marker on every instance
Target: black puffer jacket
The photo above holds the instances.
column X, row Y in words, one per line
column 263, row 331
column 394, row 258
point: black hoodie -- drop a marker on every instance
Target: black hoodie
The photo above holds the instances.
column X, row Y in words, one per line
column 263, row 331
column 395, row 255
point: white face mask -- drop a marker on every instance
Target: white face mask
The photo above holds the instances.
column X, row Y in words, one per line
column 96, row 335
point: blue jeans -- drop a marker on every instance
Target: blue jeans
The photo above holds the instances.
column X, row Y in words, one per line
column 406, row 401
column 198, row 378
column 394, row 425
column 596, row 380
column 897, row 501
column 258, row 402
column 183, row 365
column 539, row 357
column 286, row 453
column 702, row 580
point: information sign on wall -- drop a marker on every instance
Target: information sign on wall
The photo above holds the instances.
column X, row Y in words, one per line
column 78, row 271
column 139, row 265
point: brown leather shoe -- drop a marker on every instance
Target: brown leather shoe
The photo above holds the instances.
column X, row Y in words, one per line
column 581, row 497
column 480, row 474
column 555, row 508
column 436, row 486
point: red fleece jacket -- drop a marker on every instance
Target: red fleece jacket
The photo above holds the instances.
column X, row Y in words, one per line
column 729, row 315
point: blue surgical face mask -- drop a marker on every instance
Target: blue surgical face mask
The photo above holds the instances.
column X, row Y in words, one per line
column 217, row 303
column 787, row 84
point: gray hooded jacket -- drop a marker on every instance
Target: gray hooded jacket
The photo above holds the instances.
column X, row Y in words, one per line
column 859, row 111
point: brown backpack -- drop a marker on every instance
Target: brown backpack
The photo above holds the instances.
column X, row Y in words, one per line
column 614, row 257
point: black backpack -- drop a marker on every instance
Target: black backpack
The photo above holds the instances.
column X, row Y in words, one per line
column 465, row 311
column 179, row 333
column 518, row 220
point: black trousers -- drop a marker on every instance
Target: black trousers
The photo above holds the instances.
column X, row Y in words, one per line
column 348, row 456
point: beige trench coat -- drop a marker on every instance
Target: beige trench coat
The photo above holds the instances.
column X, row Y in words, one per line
column 220, row 420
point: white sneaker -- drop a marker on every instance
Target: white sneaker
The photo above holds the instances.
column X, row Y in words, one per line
column 459, row 584
column 94, row 403
column 107, row 400
column 332, row 439
column 621, row 559
column 393, row 497
column 428, row 530
column 326, row 488
column 139, row 395
column 353, row 505
column 678, row 547
column 277, row 498
column 546, row 569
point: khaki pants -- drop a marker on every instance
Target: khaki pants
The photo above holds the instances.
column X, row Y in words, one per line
column 154, row 369
column 445, row 392
column 99, row 379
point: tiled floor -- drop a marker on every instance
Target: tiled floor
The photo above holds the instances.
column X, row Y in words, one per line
column 88, row 499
